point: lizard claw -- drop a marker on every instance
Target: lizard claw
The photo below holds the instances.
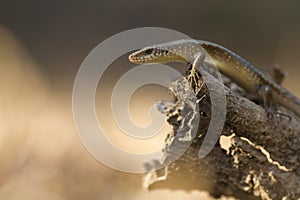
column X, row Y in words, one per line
column 276, row 115
column 193, row 75
column 194, row 78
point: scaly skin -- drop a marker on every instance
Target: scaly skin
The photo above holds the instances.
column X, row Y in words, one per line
column 229, row 63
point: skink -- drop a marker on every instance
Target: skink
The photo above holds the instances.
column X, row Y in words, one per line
column 229, row 63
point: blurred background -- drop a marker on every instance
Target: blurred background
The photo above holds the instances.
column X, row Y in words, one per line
column 42, row 44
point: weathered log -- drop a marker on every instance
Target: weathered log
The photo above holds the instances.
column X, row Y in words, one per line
column 261, row 160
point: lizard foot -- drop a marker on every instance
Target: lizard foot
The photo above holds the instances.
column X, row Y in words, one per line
column 194, row 78
column 276, row 115
column 193, row 74
column 282, row 115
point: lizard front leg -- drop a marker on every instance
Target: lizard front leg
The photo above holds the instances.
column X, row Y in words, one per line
column 265, row 93
column 193, row 74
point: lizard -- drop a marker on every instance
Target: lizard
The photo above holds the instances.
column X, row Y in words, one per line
column 228, row 63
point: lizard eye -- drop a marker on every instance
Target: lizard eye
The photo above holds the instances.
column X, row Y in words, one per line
column 148, row 51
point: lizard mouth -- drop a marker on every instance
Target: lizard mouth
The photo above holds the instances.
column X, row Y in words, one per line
column 135, row 58
column 132, row 58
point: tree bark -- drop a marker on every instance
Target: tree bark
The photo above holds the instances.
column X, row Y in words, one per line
column 261, row 159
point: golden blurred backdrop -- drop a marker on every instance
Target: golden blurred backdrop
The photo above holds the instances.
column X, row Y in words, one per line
column 42, row 45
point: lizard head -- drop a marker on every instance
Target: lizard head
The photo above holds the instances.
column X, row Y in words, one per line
column 154, row 54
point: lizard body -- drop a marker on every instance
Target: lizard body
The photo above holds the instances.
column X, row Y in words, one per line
column 229, row 63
